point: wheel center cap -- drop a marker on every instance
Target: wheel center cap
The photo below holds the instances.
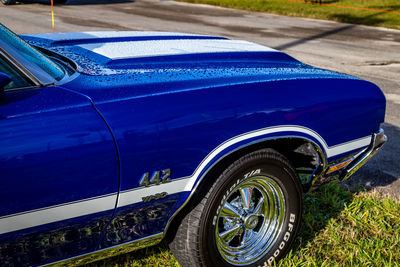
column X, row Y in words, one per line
column 251, row 221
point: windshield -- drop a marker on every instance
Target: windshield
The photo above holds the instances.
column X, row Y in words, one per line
column 16, row 48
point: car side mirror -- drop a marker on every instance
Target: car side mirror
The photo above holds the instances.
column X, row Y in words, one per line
column 4, row 80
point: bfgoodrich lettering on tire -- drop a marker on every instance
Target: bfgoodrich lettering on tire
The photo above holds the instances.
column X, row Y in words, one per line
column 249, row 217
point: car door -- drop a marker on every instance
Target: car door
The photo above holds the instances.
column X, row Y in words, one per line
column 59, row 173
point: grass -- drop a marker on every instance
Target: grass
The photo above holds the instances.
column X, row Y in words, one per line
column 308, row 10
column 338, row 229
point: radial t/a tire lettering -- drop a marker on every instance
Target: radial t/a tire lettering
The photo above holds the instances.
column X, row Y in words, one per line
column 249, row 217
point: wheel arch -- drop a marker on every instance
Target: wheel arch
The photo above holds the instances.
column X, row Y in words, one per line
column 285, row 145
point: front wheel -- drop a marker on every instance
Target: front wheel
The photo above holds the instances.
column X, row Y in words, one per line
column 249, row 217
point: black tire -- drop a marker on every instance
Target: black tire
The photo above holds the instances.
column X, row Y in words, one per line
column 8, row 2
column 208, row 235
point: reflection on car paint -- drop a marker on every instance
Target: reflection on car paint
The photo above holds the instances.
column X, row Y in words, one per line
column 52, row 242
column 139, row 220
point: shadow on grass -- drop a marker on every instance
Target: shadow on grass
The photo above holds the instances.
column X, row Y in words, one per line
column 319, row 207
column 371, row 20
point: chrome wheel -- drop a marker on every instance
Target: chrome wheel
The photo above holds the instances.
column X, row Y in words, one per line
column 248, row 217
column 250, row 220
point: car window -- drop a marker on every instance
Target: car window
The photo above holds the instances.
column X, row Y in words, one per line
column 18, row 80
column 17, row 47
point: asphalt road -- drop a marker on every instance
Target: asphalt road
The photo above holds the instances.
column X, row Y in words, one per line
column 367, row 52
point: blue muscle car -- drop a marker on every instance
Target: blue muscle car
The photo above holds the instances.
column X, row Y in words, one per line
column 113, row 141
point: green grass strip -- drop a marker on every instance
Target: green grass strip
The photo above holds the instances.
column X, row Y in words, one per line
column 384, row 13
column 342, row 229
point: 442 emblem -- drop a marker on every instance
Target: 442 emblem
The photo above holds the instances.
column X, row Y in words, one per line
column 156, row 178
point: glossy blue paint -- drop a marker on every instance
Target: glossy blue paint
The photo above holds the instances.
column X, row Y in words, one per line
column 55, row 149
column 147, row 127
column 93, row 134
column 57, row 146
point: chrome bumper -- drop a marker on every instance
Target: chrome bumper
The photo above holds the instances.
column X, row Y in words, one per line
column 378, row 140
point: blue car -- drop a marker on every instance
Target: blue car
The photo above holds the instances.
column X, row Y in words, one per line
column 114, row 141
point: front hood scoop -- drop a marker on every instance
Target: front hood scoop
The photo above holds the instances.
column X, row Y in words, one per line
column 105, row 53
column 139, row 64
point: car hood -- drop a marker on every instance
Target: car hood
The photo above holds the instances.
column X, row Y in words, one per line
column 159, row 62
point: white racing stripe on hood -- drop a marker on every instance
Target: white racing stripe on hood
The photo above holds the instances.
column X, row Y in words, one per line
column 137, row 49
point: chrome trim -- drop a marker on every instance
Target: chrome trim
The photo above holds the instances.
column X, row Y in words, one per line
column 322, row 167
column 250, row 220
column 109, row 252
column 378, row 140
